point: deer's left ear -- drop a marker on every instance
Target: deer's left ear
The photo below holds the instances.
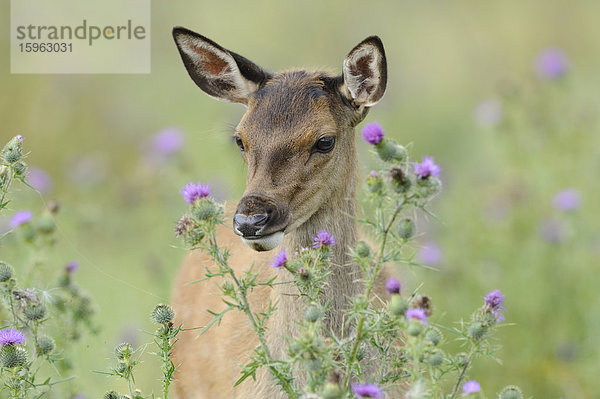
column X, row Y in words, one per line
column 365, row 73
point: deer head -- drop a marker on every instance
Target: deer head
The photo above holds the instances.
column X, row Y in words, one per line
column 297, row 135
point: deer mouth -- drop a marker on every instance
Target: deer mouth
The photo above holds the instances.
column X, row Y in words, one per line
column 264, row 243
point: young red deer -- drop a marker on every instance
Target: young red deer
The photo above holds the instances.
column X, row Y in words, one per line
column 297, row 139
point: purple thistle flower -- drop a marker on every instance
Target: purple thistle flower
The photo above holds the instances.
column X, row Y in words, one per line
column 494, row 303
column 427, row 168
column 192, row 192
column 19, row 138
column 566, row 200
column 373, row 133
column 417, row 314
column 367, row 391
column 280, row 259
column 167, row 141
column 323, row 239
column 374, row 174
column 470, row 387
column 20, row 217
column 11, row 336
column 71, row 267
column 393, row 286
column 430, row 254
column 488, row 112
column 40, row 180
column 551, row 64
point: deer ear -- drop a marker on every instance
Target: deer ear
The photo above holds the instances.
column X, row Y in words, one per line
column 365, row 73
column 220, row 73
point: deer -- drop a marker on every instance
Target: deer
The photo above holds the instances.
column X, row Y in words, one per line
column 297, row 138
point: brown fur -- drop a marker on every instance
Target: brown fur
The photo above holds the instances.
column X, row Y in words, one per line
column 287, row 114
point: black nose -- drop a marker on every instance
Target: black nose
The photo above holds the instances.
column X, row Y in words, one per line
column 249, row 225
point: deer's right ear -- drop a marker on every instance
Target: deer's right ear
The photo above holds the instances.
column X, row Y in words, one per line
column 220, row 73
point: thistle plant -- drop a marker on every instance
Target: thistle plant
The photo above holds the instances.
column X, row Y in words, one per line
column 394, row 345
column 127, row 358
column 39, row 326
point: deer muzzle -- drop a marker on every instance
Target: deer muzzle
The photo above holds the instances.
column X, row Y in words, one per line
column 260, row 222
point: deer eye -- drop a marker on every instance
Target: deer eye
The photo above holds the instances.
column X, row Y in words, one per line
column 239, row 142
column 324, row 144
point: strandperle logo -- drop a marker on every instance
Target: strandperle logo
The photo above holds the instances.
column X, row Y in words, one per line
column 84, row 31
column 80, row 36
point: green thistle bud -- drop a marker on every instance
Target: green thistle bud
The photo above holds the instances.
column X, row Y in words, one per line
column 390, row 151
column 121, row 367
column 20, row 168
column 312, row 313
column 13, row 356
column 398, row 306
column 406, row 228
column 461, row 359
column 414, row 328
column 429, row 187
column 45, row 345
column 194, row 237
column 206, row 209
column 12, row 151
column 123, row 351
column 331, row 391
column 314, row 364
column 362, row 249
column 162, row 314
column 400, row 181
column 27, row 232
column 83, row 308
column 45, row 224
column 477, row 330
column 111, row 395
column 6, row 271
column 435, row 358
column 374, row 182
column 510, row 392
column 433, row 335
column 34, row 312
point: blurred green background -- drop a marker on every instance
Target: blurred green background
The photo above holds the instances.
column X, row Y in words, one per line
column 463, row 87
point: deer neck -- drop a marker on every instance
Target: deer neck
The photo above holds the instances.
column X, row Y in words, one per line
column 336, row 216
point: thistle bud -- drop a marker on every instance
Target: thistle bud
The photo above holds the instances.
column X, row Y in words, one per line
column 406, row 228
column 362, row 249
column 400, row 181
column 53, row 206
column 374, row 182
column 123, row 351
column 312, row 313
column 398, row 306
column 414, row 328
column 429, row 187
column 111, row 395
column 434, row 358
column 45, row 345
column 20, row 168
column 390, row 151
column 13, row 356
column 34, row 312
column 162, row 314
column 206, row 209
column 45, row 223
column 510, row 392
column 6, row 271
column 121, row 367
column 83, row 308
column 433, row 335
column 331, row 391
column 477, row 330
column 12, row 151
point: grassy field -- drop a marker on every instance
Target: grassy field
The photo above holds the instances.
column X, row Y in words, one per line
column 503, row 162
